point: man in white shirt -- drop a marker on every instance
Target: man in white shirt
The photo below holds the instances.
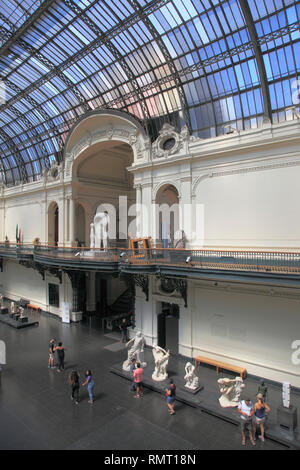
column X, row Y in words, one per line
column 246, row 410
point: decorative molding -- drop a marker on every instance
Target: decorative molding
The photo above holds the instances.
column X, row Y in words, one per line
column 142, row 281
column 179, row 285
column 167, row 135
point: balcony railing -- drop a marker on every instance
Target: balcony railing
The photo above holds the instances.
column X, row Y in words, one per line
column 286, row 262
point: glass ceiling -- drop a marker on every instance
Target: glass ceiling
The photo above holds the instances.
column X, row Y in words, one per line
column 203, row 63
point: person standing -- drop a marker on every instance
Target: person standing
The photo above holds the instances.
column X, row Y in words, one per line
column 74, row 381
column 138, row 377
column 123, row 327
column 51, row 353
column 246, row 410
column 90, row 385
column 260, row 410
column 61, row 357
column 171, row 396
column 132, row 368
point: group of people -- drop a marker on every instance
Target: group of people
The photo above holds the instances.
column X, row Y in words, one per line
column 74, row 377
column 60, row 349
column 136, row 372
column 253, row 416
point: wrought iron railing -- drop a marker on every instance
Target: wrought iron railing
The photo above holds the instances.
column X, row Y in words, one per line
column 233, row 260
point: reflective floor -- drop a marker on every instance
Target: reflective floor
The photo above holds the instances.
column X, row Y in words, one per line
column 37, row 412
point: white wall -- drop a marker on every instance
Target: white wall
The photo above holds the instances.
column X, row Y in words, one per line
column 17, row 282
column 29, row 218
column 258, row 208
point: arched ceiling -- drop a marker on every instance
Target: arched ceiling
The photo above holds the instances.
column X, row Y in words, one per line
column 203, row 63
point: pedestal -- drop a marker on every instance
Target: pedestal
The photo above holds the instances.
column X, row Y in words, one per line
column 76, row 316
column 287, row 417
column 23, row 319
column 193, row 390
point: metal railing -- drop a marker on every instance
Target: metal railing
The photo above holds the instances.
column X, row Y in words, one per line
column 234, row 260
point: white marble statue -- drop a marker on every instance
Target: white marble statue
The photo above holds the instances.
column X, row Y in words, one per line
column 161, row 360
column 92, row 235
column 12, row 307
column 286, row 394
column 135, row 347
column 101, row 220
column 231, row 390
column 21, row 312
column 191, row 378
column 1, row 301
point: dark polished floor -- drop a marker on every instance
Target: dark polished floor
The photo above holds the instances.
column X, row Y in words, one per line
column 37, row 413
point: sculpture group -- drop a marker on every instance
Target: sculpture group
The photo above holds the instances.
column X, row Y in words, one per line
column 231, row 390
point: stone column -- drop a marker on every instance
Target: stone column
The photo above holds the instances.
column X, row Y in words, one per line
column 60, row 222
column 67, row 231
column 72, row 221
column 146, row 210
column 138, row 210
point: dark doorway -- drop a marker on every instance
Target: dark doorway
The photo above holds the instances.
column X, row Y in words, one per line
column 168, row 327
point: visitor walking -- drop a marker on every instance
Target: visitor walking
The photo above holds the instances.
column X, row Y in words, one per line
column 90, row 385
column 171, row 396
column 260, row 410
column 132, row 368
column 74, row 381
column 246, row 410
column 51, row 353
column 138, row 377
column 60, row 357
column 123, row 327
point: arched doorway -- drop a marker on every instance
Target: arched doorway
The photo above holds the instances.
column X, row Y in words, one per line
column 53, row 228
column 167, row 203
column 103, row 178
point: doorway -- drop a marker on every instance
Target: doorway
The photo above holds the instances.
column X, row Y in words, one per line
column 168, row 327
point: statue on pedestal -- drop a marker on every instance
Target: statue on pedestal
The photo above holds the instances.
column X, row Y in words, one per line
column 161, row 360
column 101, row 220
column 135, row 347
column 263, row 389
column 191, row 378
column 231, row 390
column 12, row 307
column 286, row 394
column 1, row 301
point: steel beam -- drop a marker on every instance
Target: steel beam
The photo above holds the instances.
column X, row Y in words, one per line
column 259, row 60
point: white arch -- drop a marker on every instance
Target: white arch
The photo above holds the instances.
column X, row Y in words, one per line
column 198, row 181
column 175, row 184
column 103, row 126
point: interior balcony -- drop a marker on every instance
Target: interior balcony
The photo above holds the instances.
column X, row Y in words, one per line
column 253, row 265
